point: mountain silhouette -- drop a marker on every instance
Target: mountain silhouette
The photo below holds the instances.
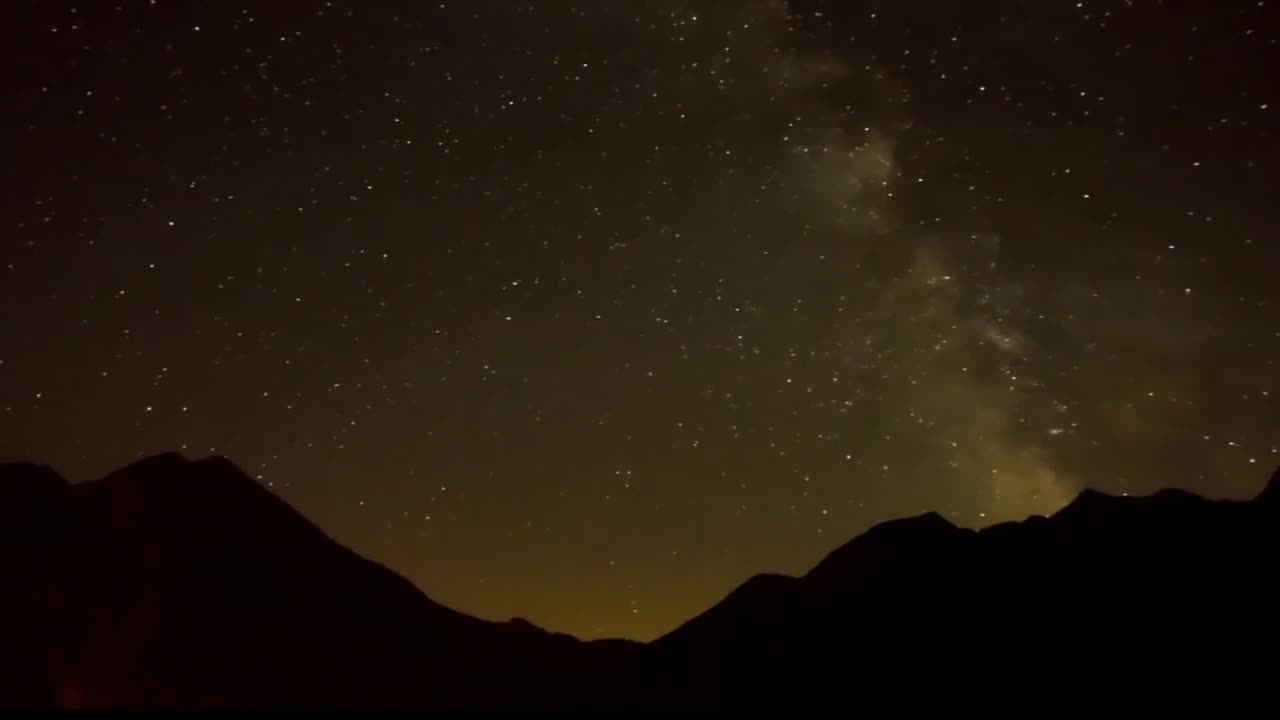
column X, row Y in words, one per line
column 180, row 584
column 186, row 584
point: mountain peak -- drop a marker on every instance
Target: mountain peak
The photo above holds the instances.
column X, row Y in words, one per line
column 1086, row 499
column 1270, row 495
column 164, row 462
column 207, row 498
column 168, row 473
column 22, row 476
column 30, row 493
column 887, row 543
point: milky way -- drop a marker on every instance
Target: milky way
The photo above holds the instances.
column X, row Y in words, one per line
column 586, row 312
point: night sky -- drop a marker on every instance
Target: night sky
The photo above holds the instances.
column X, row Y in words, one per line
column 587, row 311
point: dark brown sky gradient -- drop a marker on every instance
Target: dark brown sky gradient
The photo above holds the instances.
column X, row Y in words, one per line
column 587, row 311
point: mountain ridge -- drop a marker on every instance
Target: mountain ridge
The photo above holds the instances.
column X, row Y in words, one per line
column 180, row 583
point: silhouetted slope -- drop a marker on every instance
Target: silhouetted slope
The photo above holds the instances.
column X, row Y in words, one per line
column 172, row 583
column 1108, row 591
column 176, row 583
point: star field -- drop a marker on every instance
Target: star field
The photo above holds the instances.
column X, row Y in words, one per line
column 587, row 311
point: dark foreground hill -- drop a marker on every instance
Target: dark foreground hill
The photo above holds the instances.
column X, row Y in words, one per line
column 176, row 583
column 186, row 584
